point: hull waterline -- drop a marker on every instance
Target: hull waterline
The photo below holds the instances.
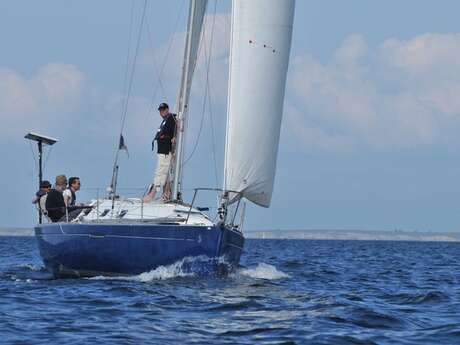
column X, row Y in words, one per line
column 86, row 250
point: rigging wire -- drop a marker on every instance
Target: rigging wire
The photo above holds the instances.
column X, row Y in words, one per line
column 128, row 56
column 48, row 156
column 168, row 50
column 207, row 88
column 203, row 110
column 128, row 91
column 133, row 68
column 125, row 86
column 155, row 66
column 33, row 153
column 113, row 182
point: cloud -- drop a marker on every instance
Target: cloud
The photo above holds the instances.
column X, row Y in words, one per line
column 423, row 54
column 140, row 122
column 217, row 28
column 40, row 102
column 402, row 94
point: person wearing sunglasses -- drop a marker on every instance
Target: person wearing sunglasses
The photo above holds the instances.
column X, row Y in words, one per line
column 40, row 196
column 69, row 194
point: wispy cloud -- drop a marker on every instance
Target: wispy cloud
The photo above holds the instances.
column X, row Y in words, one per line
column 400, row 94
column 42, row 101
column 217, row 28
column 396, row 95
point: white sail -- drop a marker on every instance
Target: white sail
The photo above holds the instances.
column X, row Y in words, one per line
column 195, row 23
column 259, row 56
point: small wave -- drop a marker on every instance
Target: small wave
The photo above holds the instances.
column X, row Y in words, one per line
column 368, row 318
column 419, row 298
column 237, row 306
column 250, row 331
column 263, row 271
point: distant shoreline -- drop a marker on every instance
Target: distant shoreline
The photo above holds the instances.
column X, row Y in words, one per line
column 354, row 235
column 16, row 232
column 316, row 234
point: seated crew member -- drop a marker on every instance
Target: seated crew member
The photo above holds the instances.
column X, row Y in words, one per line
column 55, row 205
column 165, row 138
column 40, row 196
column 69, row 194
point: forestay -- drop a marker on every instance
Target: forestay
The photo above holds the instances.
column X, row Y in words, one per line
column 259, row 56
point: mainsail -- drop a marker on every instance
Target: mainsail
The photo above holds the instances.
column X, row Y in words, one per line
column 195, row 23
column 259, row 56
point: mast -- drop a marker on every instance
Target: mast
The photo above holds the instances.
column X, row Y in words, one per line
column 182, row 109
column 195, row 22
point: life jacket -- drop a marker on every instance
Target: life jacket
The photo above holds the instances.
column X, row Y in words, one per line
column 74, row 197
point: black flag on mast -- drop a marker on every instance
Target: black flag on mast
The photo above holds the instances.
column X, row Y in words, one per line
column 122, row 145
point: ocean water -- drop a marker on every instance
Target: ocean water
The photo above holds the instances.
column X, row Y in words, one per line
column 287, row 292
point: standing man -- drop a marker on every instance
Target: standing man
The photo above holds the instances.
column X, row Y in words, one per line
column 165, row 138
column 69, row 194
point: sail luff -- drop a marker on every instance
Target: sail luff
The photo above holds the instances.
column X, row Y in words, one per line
column 260, row 49
column 194, row 29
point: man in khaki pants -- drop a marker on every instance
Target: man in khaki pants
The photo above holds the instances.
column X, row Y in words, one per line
column 165, row 138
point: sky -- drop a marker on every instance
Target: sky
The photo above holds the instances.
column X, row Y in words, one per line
column 371, row 117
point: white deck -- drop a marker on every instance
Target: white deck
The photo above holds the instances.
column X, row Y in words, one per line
column 135, row 210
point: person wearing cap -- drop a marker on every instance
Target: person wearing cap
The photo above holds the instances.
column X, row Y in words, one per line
column 165, row 138
column 40, row 196
column 55, row 205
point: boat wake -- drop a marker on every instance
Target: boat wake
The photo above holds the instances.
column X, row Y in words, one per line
column 187, row 267
column 173, row 271
column 201, row 266
column 32, row 268
column 28, row 273
column 262, row 271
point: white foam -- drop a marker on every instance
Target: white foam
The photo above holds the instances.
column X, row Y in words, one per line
column 172, row 271
column 32, row 267
column 19, row 280
column 163, row 272
column 263, row 271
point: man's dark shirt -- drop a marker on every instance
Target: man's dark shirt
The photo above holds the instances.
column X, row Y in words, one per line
column 165, row 133
column 55, row 205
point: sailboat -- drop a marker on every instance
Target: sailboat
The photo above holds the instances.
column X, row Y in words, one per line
column 125, row 236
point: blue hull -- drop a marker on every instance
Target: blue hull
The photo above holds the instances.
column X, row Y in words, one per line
column 85, row 250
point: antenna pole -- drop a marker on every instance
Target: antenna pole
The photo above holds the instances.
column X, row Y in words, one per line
column 40, row 174
column 41, row 140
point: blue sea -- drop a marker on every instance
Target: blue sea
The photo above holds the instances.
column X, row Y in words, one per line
column 286, row 292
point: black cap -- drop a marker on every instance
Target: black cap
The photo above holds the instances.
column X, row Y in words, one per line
column 45, row 184
column 163, row 106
